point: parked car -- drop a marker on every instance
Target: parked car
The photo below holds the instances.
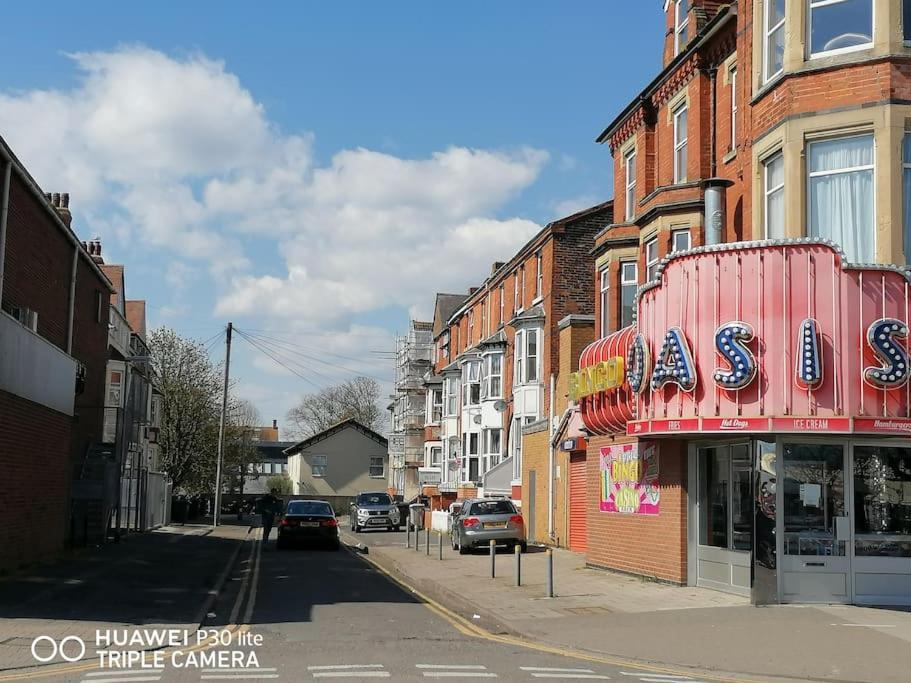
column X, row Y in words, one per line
column 308, row 521
column 454, row 508
column 373, row 510
column 480, row 521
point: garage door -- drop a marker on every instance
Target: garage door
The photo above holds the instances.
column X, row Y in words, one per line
column 578, row 503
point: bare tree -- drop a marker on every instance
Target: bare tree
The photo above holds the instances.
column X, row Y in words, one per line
column 191, row 386
column 241, row 436
column 356, row 398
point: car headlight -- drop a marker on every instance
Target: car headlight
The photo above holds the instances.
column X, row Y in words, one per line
column 362, row 513
column 394, row 514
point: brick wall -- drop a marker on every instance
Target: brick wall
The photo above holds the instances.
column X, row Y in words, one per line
column 34, row 488
column 535, row 457
column 653, row 546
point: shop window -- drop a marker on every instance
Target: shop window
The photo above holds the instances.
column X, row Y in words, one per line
column 651, row 259
column 680, row 140
column 471, row 380
column 725, row 501
column 377, row 469
column 629, row 281
column 494, row 375
column 773, row 196
column 773, row 43
column 840, row 194
column 680, row 240
column 882, row 501
column 906, row 195
column 629, row 163
column 319, row 465
column 681, row 24
column 838, row 26
column 604, row 301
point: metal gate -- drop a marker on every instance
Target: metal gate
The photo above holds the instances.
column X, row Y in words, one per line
column 578, row 503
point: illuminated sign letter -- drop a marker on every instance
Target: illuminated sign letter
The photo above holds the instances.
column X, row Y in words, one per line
column 638, row 364
column 731, row 340
column 674, row 364
column 881, row 336
column 809, row 355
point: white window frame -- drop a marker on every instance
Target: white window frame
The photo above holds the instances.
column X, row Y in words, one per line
column 813, row 4
column 519, row 365
column 680, row 27
column 768, row 33
column 732, row 73
column 435, row 461
column 629, row 168
column 522, row 293
column 319, row 465
column 372, row 467
column 604, row 298
column 532, row 360
column 517, row 447
column 767, row 192
column 515, row 295
column 539, row 275
column 680, row 143
column 471, row 377
column 502, row 303
column 629, row 277
column 490, row 375
column 452, row 396
column 470, row 326
column 678, row 233
column 651, row 259
column 115, row 387
column 435, row 413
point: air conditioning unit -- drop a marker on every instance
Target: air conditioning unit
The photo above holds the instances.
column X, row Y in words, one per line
column 26, row 317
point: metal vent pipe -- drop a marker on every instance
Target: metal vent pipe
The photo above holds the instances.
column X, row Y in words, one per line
column 715, row 207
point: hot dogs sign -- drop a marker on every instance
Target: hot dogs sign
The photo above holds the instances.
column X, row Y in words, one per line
column 754, row 330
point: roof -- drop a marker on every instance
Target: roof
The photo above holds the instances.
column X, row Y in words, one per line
column 136, row 317
column 533, row 313
column 498, row 337
column 350, row 423
column 446, row 305
column 114, row 273
column 273, row 449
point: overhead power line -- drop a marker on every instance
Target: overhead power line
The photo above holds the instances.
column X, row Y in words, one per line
column 259, row 348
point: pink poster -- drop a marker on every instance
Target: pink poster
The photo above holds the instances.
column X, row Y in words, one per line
column 629, row 479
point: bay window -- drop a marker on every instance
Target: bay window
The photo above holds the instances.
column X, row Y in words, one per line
column 840, row 194
column 526, row 369
column 629, row 163
column 492, row 445
column 436, row 406
column 681, row 23
column 773, row 196
column 773, row 39
column 471, row 380
column 837, row 26
column 604, row 300
column 452, row 396
column 494, row 375
column 436, row 456
column 651, row 258
column 680, row 140
column 680, row 240
column 629, row 281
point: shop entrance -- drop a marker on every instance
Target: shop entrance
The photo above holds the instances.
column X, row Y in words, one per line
column 722, row 508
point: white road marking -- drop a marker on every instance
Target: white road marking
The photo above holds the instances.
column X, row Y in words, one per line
column 556, row 670
column 226, row 670
column 656, row 677
column 459, row 674
column 235, row 677
column 344, row 666
column 476, row 667
column 572, row 676
column 126, row 680
column 351, row 674
column 867, row 625
column 127, row 672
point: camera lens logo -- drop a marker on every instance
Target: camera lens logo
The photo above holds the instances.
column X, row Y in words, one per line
column 46, row 649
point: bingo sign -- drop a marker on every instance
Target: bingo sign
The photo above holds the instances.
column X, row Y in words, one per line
column 629, row 479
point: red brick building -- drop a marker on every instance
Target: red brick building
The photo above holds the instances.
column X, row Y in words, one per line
column 53, row 350
column 777, row 121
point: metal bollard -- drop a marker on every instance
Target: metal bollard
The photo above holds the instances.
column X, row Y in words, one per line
column 518, row 552
column 550, row 573
column 417, row 538
column 493, row 559
column 427, row 542
column 407, row 535
column 440, row 539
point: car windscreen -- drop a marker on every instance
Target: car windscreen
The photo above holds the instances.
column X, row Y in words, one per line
column 374, row 499
column 492, row 507
column 306, row 507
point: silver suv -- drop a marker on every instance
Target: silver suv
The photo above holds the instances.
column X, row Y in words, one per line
column 482, row 520
column 374, row 510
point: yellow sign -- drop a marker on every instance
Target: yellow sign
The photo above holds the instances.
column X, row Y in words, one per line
column 608, row 374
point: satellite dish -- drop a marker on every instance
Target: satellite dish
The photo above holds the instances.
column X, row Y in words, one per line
column 500, row 405
column 477, row 419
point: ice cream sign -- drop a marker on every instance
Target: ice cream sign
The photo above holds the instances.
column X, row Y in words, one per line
column 755, row 332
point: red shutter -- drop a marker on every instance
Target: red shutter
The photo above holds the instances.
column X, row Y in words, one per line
column 578, row 503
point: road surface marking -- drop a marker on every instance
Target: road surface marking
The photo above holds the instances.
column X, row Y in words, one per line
column 236, row 677
column 225, row 670
column 867, row 625
column 477, row 667
column 344, row 666
column 351, row 674
column 556, row 670
column 657, row 677
column 127, row 672
column 459, row 674
column 127, row 680
column 241, row 593
column 598, row 677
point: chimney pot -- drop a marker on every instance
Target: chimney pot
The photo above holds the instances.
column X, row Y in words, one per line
column 274, row 424
column 55, row 199
column 65, row 200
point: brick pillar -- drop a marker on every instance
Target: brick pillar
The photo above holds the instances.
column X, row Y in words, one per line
column 576, row 332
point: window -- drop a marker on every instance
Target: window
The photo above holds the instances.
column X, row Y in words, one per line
column 838, row 26
column 733, row 75
column 520, row 357
column 539, row 275
column 629, row 164
column 516, row 302
column 522, row 292
column 840, row 194
column 502, row 303
column 492, row 441
column 906, row 19
column 681, row 22
column 436, row 456
column 376, row 467
column 473, row 443
column 494, row 375
column 680, row 240
column 773, row 43
column 487, row 304
column 629, row 281
column 115, row 389
column 773, row 202
column 651, row 258
column 436, row 406
column 99, row 306
column 471, row 378
column 517, row 447
column 319, row 465
column 604, row 300
column 906, row 192
column 470, row 327
column 680, row 137
column 452, row 396
column 284, row 468
column 526, row 369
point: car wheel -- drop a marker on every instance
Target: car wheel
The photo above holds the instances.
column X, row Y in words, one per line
column 462, row 549
column 524, row 546
column 398, row 527
column 357, row 528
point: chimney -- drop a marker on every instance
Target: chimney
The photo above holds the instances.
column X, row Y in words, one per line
column 472, row 290
column 94, row 249
column 715, row 192
column 496, row 266
column 274, row 424
column 61, row 203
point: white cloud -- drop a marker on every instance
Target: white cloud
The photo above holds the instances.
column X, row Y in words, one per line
column 568, row 207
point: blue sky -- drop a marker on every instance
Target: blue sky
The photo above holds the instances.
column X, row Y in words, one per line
column 299, row 169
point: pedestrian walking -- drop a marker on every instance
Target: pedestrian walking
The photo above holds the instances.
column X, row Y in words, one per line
column 269, row 507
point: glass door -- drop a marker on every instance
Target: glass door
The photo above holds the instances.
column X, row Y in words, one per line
column 813, row 525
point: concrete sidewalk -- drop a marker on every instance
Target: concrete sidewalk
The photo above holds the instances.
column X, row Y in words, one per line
column 623, row 616
column 167, row 578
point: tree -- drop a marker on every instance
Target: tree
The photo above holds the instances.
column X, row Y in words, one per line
column 356, row 398
column 282, row 482
column 241, row 435
column 190, row 385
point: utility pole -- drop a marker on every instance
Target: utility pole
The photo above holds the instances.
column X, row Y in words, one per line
column 221, row 427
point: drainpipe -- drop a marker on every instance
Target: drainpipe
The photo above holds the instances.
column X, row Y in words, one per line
column 71, row 307
column 4, row 214
column 550, row 460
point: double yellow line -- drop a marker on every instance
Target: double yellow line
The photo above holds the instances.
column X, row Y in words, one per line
column 248, row 586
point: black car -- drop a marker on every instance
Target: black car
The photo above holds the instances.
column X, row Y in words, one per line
column 308, row 521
